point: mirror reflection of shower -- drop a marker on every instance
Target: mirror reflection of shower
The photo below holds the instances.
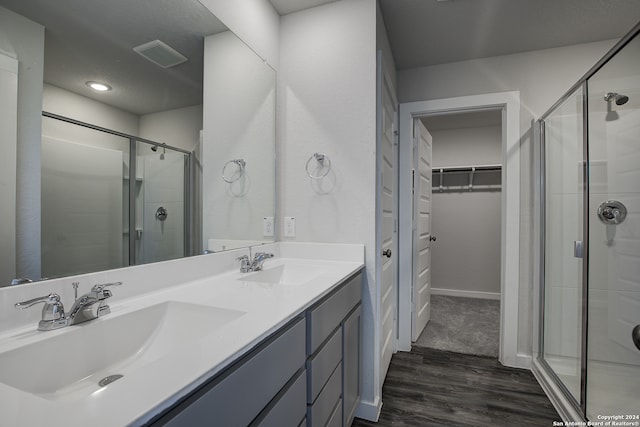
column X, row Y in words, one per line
column 164, row 150
column 618, row 99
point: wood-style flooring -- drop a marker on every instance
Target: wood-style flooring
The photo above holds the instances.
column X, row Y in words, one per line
column 429, row 387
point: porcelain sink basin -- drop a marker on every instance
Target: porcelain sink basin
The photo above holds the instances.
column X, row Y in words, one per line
column 74, row 361
column 286, row 274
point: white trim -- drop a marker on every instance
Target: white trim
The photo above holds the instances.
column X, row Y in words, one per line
column 465, row 294
column 369, row 410
column 523, row 361
column 509, row 103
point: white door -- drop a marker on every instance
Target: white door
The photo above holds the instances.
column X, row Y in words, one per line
column 387, row 149
column 421, row 230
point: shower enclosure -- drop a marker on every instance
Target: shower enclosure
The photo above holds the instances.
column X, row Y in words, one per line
column 109, row 199
column 590, row 229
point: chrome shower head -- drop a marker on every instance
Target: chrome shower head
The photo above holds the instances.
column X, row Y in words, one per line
column 622, row 99
column 154, row 148
column 618, row 98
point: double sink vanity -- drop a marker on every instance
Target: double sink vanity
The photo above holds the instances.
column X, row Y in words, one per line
column 194, row 342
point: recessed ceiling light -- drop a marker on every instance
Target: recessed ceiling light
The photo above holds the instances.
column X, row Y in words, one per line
column 100, row 87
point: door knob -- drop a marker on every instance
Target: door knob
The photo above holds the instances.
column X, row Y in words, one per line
column 387, row 253
column 635, row 335
column 432, row 238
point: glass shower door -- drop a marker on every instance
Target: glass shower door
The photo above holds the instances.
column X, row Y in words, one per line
column 563, row 265
column 613, row 360
column 161, row 204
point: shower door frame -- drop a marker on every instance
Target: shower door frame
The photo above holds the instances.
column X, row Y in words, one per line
column 188, row 242
column 566, row 404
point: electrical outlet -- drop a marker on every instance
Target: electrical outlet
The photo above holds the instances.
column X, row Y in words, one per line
column 289, row 226
column 267, row 226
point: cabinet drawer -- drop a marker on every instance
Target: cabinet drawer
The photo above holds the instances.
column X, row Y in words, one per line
column 327, row 315
column 290, row 407
column 321, row 366
column 238, row 395
column 319, row 413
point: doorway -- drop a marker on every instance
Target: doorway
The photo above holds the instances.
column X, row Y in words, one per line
column 508, row 104
column 463, row 223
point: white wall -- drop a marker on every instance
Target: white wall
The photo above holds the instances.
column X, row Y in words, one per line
column 466, row 255
column 541, row 77
column 179, row 128
column 255, row 21
column 239, row 110
column 326, row 100
column 24, row 40
column 8, row 143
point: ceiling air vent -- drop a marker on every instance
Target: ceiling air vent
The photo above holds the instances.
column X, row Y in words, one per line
column 160, row 54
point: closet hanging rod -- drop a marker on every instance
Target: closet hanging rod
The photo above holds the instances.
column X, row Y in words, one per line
column 480, row 168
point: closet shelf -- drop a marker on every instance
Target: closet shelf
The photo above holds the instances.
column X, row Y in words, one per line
column 470, row 170
column 477, row 168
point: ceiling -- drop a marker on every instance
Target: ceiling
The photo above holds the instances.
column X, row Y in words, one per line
column 94, row 40
column 429, row 32
column 284, row 7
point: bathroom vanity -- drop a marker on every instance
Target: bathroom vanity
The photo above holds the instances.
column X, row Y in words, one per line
column 275, row 347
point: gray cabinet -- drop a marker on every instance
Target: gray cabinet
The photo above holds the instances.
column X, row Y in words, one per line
column 306, row 374
column 333, row 356
column 251, row 387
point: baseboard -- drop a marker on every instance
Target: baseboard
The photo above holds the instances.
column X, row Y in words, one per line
column 465, row 294
column 369, row 410
column 523, row 361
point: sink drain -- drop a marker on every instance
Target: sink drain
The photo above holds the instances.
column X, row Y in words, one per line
column 108, row 380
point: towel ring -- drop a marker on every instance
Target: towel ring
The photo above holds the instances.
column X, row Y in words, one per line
column 240, row 163
column 323, row 161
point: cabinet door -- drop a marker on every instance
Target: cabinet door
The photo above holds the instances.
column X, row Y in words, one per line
column 237, row 396
column 351, row 364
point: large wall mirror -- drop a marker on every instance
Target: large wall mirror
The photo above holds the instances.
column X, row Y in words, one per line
column 173, row 156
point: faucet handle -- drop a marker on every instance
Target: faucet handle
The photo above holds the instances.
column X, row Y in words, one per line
column 100, row 287
column 50, row 299
column 52, row 312
column 245, row 263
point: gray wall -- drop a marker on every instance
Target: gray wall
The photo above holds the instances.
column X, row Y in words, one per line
column 541, row 77
column 466, row 257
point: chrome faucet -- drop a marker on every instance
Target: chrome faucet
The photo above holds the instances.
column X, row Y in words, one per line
column 91, row 305
column 247, row 265
column 88, row 307
column 258, row 260
column 52, row 313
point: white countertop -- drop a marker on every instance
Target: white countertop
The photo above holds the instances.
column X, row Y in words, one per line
column 143, row 393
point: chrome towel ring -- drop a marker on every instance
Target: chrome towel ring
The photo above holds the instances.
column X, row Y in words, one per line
column 323, row 166
column 230, row 175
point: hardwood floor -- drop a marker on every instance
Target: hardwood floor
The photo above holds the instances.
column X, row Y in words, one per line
column 429, row 387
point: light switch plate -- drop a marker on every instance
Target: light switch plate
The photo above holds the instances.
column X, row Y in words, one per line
column 267, row 226
column 289, row 226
